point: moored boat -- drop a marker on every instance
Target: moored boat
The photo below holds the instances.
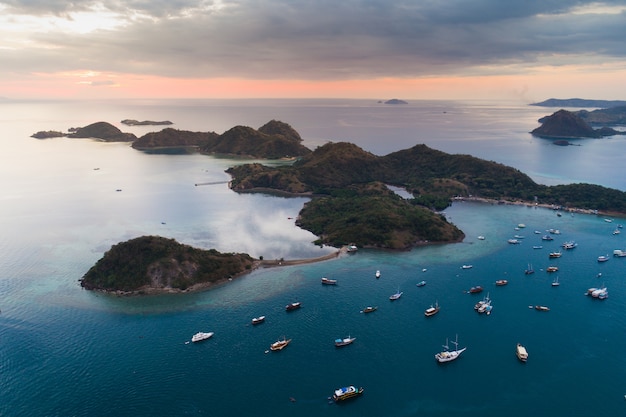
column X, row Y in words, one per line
column 345, row 341
column 421, row 283
column 619, row 253
column 554, row 254
column 369, row 309
column 501, row 282
column 395, row 296
column 200, row 336
column 552, row 269
column 521, row 352
column 449, row 355
column 280, row 344
column 556, row 282
column 345, row 393
column 514, row 241
column 377, row 274
column 529, row 270
column 432, row 310
column 475, row 290
column 467, row 266
column 293, row 306
column 327, row 281
column 542, row 308
column 569, row 245
column 258, row 320
column 603, row 258
column 547, row 237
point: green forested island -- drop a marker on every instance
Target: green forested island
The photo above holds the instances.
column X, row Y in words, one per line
column 154, row 264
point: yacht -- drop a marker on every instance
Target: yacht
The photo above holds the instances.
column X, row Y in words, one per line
column 449, row 355
column 345, row 341
column 344, row 393
column 432, row 310
column 395, row 296
column 200, row 336
column 569, row 245
column 521, row 353
column 258, row 320
column 603, row 258
column 280, row 344
column 377, row 274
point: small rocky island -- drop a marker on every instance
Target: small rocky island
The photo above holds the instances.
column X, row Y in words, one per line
column 153, row 264
column 132, row 122
column 395, row 101
column 564, row 124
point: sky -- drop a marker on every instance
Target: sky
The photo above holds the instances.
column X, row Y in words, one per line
column 527, row 50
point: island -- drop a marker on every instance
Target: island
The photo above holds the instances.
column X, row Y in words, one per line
column 395, row 101
column 154, row 264
column 103, row 131
column 579, row 102
column 47, row 134
column 131, row 122
column 564, row 124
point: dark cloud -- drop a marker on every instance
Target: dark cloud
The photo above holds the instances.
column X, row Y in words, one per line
column 324, row 39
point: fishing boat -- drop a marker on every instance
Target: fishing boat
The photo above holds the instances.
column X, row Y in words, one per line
column 556, row 282
column 421, row 283
column 327, row 281
column 501, row 282
column 280, row 344
column 552, row 269
column 449, row 355
column 432, row 310
column 475, row 290
column 293, row 306
column 369, row 309
column 542, row 308
column 200, row 336
column 377, row 274
column 345, row 393
column 395, row 296
column 258, row 320
column 345, row 341
column 521, row 353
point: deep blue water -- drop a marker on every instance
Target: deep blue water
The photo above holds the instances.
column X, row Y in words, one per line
column 69, row 352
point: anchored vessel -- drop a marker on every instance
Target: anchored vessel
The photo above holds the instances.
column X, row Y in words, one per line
column 344, row 393
column 200, row 336
column 521, row 353
column 450, row 355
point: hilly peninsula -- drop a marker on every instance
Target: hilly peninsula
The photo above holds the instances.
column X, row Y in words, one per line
column 154, row 264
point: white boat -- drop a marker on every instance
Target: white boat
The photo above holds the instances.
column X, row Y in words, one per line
column 481, row 237
column 603, row 258
column 395, row 296
column 421, row 283
column 200, row 336
column 514, row 241
column 467, row 266
column 328, row 281
column 345, row 393
column 554, row 254
column 432, row 310
column 556, row 283
column 600, row 293
column 569, row 245
column 377, row 274
column 352, row 248
column 521, row 353
column 258, row 320
column 619, row 253
column 345, row 341
column 449, row 355
column 616, row 231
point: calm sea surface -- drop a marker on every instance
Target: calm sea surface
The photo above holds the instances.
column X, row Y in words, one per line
column 69, row 352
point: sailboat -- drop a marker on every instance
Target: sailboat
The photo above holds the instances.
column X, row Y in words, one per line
column 556, row 283
column 395, row 296
column 529, row 270
column 450, row 355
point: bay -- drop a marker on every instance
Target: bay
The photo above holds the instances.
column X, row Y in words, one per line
column 65, row 351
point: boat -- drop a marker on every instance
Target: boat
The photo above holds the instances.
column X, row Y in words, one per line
column 258, row 320
column 603, row 258
column 395, row 296
column 521, row 225
column 569, row 245
column 345, row 393
column 501, row 282
column 555, row 254
column 518, row 237
column 280, row 344
column 590, row 290
column 486, row 305
column 369, row 309
column 481, row 303
column 293, row 306
column 547, row 237
column 481, row 237
column 467, row 266
column 327, row 281
column 514, row 241
column 432, row 310
column 619, row 253
column 600, row 293
column 542, row 308
column 608, row 220
column 345, row 341
column 554, row 231
column 421, row 283
column 352, row 248
column 377, row 274
column 537, row 247
column 529, row 270
column 556, row 282
column 449, row 355
column 616, row 231
column 200, row 336
column 488, row 309
column 552, row 269
column 475, row 290
column 521, row 353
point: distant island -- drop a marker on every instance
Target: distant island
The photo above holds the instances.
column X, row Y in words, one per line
column 131, row 122
column 564, row 124
column 579, row 102
column 396, row 101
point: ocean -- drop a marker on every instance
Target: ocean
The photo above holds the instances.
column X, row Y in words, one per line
column 65, row 351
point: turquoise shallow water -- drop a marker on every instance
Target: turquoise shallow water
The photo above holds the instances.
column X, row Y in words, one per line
column 68, row 352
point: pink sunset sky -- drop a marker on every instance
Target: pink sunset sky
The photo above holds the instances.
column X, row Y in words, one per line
column 379, row 49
